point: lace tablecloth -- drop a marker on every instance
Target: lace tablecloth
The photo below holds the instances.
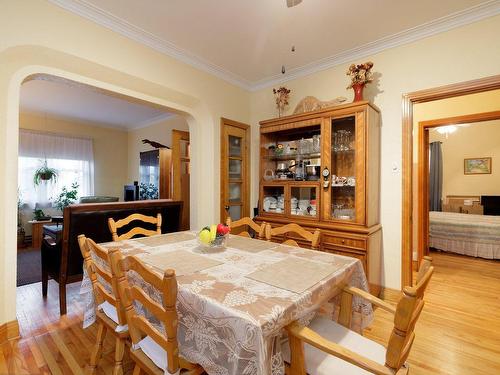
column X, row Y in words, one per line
column 231, row 324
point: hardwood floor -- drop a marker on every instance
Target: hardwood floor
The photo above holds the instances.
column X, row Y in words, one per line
column 458, row 332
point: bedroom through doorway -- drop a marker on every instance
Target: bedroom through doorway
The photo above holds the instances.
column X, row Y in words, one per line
column 459, row 187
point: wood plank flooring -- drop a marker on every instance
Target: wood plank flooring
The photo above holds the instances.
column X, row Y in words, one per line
column 458, row 332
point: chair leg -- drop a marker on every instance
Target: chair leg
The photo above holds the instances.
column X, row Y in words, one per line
column 119, row 352
column 45, row 283
column 62, row 298
column 137, row 370
column 97, row 352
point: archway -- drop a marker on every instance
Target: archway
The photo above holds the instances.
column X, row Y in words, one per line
column 22, row 63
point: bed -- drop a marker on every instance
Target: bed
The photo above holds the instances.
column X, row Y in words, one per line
column 466, row 234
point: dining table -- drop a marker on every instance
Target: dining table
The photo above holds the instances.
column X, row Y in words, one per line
column 234, row 301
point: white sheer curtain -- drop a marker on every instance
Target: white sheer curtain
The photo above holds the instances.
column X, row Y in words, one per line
column 72, row 157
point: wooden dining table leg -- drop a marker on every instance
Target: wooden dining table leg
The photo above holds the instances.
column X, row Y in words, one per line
column 345, row 313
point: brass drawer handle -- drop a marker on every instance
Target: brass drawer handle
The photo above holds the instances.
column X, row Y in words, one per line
column 343, row 241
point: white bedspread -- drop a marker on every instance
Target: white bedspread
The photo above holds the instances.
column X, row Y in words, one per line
column 473, row 235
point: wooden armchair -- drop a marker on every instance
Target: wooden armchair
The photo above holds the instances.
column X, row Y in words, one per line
column 314, row 238
column 341, row 351
column 110, row 315
column 349, row 292
column 115, row 225
column 154, row 352
column 246, row 223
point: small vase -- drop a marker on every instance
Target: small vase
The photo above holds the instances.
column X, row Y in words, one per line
column 358, row 91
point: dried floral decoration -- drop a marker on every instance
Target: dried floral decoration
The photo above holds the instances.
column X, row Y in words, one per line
column 282, row 95
column 360, row 74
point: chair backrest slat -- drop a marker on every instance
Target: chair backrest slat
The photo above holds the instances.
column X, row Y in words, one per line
column 166, row 313
column 424, row 266
column 314, row 237
column 247, row 222
column 97, row 271
column 115, row 225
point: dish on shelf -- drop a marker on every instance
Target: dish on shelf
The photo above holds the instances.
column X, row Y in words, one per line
column 268, row 202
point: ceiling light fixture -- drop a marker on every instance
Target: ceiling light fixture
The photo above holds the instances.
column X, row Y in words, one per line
column 292, row 3
column 447, row 130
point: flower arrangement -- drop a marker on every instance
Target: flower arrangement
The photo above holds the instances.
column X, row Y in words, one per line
column 360, row 74
column 214, row 236
column 148, row 191
column 281, row 96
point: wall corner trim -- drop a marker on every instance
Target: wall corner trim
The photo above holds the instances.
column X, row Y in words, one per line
column 9, row 331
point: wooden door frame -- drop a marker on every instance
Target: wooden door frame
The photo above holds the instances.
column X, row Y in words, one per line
column 410, row 99
column 246, row 177
column 423, row 170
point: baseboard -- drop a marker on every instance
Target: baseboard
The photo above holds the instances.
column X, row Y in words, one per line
column 390, row 294
column 9, row 331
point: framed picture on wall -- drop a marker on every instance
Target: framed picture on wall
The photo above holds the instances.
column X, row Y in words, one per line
column 477, row 166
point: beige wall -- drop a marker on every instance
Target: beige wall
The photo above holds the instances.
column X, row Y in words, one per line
column 160, row 132
column 110, row 168
column 458, row 55
column 480, row 139
column 438, row 109
column 39, row 37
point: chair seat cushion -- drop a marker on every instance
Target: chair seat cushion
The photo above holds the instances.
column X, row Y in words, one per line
column 155, row 353
column 110, row 311
column 321, row 363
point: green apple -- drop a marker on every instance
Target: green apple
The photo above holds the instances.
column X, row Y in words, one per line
column 205, row 236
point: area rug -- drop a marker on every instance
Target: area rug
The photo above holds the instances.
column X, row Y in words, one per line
column 29, row 266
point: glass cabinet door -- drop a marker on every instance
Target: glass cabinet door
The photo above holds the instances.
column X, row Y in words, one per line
column 343, row 169
column 304, row 202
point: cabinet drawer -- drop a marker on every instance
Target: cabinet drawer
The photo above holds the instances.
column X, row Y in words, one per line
column 344, row 241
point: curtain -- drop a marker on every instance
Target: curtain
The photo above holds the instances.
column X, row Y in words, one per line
column 72, row 157
column 435, row 176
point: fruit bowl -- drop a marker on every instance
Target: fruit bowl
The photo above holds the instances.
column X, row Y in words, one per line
column 213, row 237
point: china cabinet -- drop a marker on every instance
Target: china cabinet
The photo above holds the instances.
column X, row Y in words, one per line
column 321, row 170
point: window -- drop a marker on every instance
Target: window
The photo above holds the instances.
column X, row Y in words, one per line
column 71, row 157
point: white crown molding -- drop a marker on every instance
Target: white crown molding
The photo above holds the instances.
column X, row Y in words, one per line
column 467, row 16
column 129, row 30
column 152, row 121
column 485, row 10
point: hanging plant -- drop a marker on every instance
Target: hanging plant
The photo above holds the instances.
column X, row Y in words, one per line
column 44, row 173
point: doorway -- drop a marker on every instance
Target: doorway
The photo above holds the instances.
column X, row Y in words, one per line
column 448, row 196
column 408, row 175
column 181, row 161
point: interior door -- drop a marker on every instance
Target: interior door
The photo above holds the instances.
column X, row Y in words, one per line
column 181, row 170
column 235, row 170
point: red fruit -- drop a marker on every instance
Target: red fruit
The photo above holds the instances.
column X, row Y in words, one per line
column 222, row 229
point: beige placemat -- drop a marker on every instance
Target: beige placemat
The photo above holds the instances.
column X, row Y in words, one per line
column 183, row 262
column 249, row 244
column 294, row 274
column 165, row 239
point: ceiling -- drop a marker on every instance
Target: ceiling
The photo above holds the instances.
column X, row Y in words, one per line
column 247, row 42
column 72, row 100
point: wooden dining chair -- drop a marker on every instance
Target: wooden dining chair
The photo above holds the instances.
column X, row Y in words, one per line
column 313, row 238
column 110, row 315
column 154, row 352
column 115, row 225
column 338, row 350
column 246, row 223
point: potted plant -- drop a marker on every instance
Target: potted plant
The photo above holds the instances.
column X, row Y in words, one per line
column 39, row 215
column 44, row 173
column 66, row 197
column 21, row 234
column 360, row 74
